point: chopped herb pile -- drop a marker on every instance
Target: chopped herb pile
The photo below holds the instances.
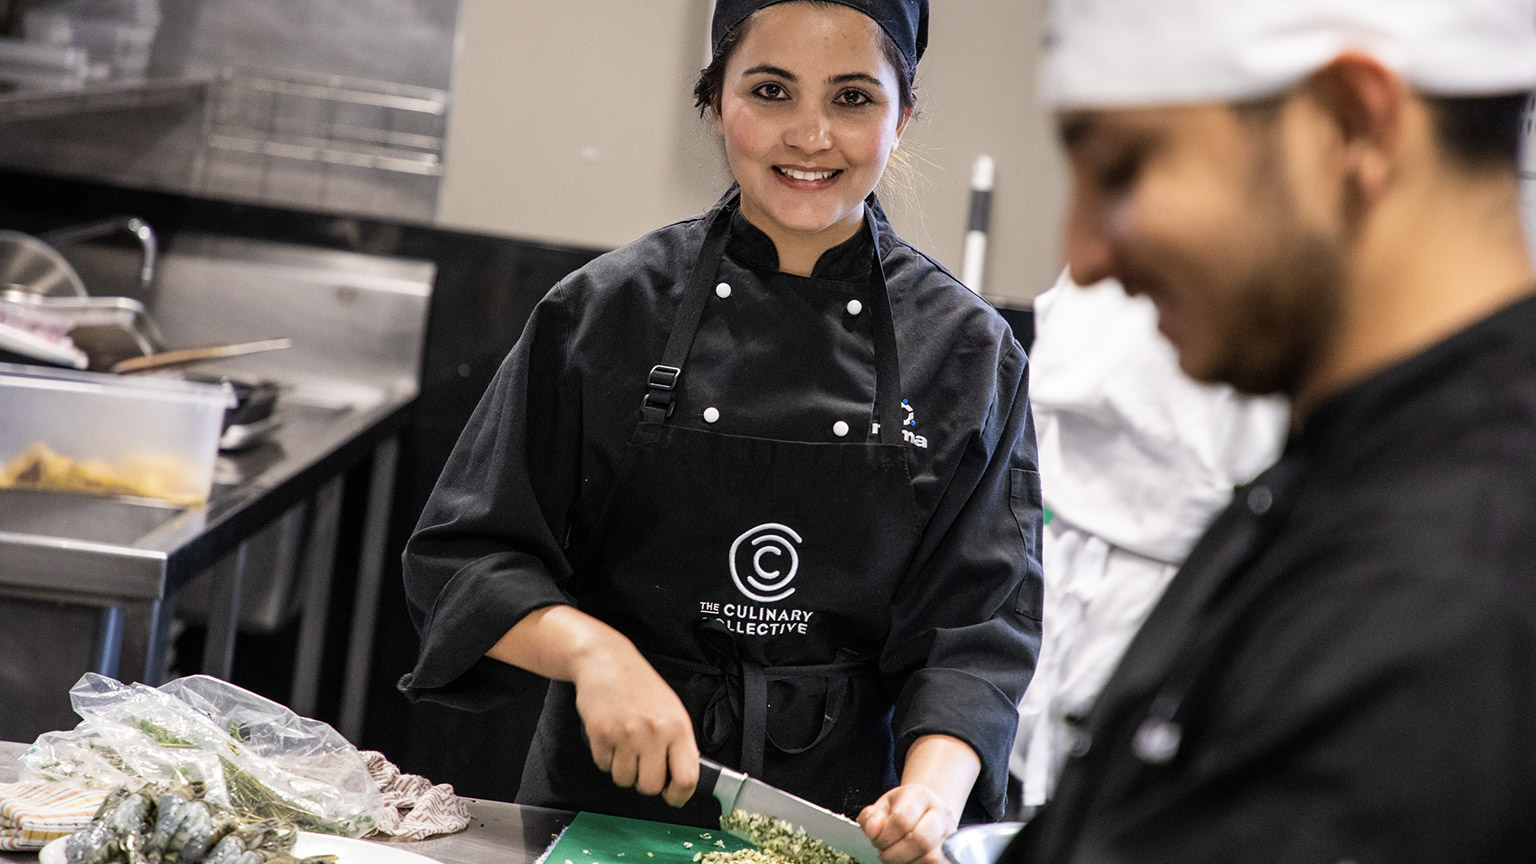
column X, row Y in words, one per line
column 778, row 842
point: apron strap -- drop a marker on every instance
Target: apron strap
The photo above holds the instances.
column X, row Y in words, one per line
column 661, row 385
column 664, row 378
column 754, row 718
column 887, row 367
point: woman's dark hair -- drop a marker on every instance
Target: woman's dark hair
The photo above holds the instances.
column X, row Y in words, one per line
column 1479, row 131
column 706, row 91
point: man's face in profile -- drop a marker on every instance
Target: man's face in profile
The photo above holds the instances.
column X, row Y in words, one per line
column 1215, row 213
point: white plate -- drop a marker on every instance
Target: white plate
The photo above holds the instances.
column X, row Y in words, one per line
column 53, row 853
column 346, row 850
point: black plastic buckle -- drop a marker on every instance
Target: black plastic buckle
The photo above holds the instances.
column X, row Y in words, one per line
column 660, row 384
column 664, row 377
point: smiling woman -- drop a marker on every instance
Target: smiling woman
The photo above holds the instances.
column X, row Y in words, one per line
column 807, row 149
column 778, row 127
column 760, row 485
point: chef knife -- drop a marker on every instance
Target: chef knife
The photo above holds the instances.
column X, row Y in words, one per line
column 737, row 791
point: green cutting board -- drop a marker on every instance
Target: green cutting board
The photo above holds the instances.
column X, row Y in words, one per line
column 593, row 838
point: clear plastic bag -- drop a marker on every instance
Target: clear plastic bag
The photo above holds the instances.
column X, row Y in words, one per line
column 243, row 751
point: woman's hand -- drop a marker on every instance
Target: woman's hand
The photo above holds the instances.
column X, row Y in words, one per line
column 638, row 729
column 908, row 823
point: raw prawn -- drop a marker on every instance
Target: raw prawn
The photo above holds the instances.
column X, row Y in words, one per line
column 114, row 833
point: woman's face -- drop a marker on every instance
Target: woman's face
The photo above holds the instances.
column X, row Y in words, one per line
column 810, row 113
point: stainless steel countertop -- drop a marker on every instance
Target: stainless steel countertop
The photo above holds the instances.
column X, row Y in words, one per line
column 126, row 550
column 498, row 832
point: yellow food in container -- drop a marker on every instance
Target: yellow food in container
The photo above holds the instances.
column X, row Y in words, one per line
column 163, row 477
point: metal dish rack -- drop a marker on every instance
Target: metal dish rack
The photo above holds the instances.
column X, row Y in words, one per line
column 324, row 141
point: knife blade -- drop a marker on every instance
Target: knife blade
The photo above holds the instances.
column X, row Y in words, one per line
column 736, row 791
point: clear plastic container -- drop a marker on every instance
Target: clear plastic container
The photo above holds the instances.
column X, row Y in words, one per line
column 153, row 437
column 116, row 34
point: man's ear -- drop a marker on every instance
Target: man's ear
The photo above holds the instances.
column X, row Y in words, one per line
column 1366, row 103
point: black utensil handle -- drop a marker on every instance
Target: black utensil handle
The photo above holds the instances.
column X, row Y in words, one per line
column 709, row 775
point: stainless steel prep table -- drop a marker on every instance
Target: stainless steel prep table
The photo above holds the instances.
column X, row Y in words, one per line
column 498, row 833
column 131, row 559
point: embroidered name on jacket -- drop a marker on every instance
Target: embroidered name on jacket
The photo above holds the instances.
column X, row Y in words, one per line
column 909, row 420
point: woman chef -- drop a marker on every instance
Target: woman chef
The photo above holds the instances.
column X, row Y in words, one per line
column 759, row 485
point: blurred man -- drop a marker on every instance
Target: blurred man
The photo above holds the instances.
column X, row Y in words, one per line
column 1320, row 198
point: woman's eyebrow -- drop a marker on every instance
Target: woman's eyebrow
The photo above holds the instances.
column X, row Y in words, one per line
column 862, row 77
column 767, row 69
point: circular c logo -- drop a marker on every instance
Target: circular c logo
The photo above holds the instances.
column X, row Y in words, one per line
column 774, row 563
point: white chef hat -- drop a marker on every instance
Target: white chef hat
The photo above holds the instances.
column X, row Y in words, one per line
column 1120, row 53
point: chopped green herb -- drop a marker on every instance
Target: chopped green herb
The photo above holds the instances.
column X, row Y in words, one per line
column 778, row 842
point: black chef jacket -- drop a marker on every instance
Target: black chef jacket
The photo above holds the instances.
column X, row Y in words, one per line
column 517, row 499
column 1345, row 667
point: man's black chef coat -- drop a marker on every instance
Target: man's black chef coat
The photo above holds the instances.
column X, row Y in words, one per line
column 1345, row 667
column 518, row 497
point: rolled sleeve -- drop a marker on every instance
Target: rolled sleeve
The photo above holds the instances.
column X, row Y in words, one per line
column 965, row 625
column 486, row 551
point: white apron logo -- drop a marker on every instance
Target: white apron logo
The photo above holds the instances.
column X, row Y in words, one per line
column 774, row 563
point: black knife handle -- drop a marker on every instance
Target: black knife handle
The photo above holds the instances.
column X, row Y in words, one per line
column 709, row 775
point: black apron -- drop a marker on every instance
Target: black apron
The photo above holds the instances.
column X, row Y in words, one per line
column 755, row 575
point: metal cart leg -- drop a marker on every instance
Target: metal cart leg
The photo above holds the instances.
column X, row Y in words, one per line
column 109, row 645
column 319, row 559
column 369, row 571
column 224, row 620
column 161, row 614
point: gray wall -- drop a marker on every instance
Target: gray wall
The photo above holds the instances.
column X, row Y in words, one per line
column 572, row 123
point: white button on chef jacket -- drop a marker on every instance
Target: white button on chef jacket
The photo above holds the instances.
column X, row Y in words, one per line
column 723, row 290
column 855, row 307
column 840, row 428
column 711, row 414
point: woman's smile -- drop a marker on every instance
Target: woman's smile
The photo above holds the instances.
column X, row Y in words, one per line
column 808, row 178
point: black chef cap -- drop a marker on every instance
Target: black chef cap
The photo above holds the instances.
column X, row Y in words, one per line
column 905, row 21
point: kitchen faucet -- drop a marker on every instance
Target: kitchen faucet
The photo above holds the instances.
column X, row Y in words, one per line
column 133, row 225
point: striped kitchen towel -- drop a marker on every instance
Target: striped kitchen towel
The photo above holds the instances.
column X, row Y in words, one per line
column 415, row 809
column 31, row 814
